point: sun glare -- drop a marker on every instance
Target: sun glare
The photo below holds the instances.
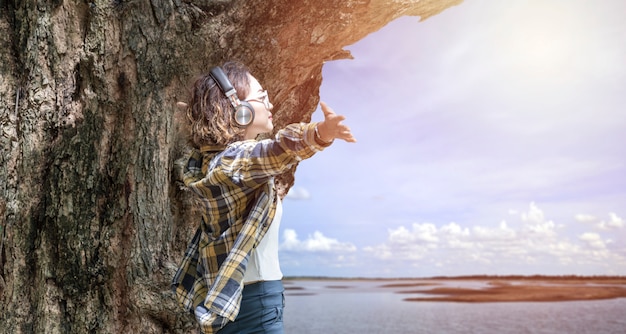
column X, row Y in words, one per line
column 548, row 46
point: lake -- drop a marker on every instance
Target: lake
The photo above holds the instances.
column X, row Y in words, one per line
column 366, row 306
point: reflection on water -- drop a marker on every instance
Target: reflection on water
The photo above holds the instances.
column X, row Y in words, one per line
column 344, row 306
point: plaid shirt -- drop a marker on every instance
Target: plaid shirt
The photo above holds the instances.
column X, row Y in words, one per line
column 238, row 202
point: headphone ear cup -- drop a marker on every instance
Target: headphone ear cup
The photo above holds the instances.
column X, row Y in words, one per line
column 244, row 114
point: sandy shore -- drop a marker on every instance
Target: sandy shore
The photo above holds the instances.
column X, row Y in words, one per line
column 516, row 289
column 477, row 289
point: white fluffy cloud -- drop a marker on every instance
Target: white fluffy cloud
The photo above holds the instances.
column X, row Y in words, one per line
column 531, row 244
column 594, row 240
column 313, row 243
column 298, row 193
column 614, row 222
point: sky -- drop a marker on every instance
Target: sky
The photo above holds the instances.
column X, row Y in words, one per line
column 491, row 140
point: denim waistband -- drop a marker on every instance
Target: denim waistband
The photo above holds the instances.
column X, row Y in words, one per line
column 263, row 294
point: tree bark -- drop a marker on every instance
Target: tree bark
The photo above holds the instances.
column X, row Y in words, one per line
column 93, row 223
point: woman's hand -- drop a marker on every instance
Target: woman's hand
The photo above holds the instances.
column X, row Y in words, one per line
column 331, row 127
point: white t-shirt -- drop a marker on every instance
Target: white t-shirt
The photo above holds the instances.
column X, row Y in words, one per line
column 263, row 263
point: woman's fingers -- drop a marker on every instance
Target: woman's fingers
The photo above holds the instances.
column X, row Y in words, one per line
column 332, row 124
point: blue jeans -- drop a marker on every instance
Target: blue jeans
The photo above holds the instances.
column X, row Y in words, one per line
column 261, row 310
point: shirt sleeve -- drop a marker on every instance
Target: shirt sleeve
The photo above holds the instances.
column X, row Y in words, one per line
column 253, row 162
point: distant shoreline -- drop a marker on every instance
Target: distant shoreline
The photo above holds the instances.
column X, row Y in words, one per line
column 464, row 277
column 512, row 288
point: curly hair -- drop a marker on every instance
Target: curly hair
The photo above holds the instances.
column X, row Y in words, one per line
column 210, row 113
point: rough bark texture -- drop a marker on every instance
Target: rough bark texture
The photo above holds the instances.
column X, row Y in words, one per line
column 92, row 222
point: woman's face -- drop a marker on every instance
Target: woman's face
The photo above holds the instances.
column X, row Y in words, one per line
column 259, row 100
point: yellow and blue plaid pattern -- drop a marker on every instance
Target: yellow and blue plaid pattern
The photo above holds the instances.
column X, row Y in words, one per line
column 235, row 185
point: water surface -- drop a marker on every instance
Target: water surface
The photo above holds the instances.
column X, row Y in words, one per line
column 344, row 306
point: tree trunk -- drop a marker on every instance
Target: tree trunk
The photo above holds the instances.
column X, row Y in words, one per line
column 92, row 223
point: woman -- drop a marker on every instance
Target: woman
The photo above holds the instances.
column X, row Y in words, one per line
column 230, row 277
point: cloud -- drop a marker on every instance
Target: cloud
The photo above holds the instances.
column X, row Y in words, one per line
column 531, row 244
column 614, row 222
column 584, row 218
column 536, row 225
column 592, row 239
column 314, row 243
column 298, row 193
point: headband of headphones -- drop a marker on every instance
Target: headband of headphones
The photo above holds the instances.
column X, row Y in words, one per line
column 244, row 113
column 224, row 84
